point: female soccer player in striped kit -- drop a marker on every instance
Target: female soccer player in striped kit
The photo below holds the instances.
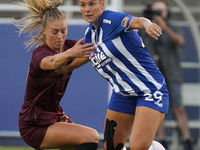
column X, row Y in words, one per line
column 42, row 121
column 139, row 101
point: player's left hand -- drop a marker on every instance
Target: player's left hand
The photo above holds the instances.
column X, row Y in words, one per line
column 154, row 30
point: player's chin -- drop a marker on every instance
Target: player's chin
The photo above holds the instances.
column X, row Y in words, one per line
column 89, row 20
column 60, row 45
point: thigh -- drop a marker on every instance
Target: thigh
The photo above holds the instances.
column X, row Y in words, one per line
column 124, row 125
column 66, row 135
column 146, row 123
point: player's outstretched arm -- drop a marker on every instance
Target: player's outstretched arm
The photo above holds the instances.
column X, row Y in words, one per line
column 143, row 23
column 59, row 60
column 78, row 62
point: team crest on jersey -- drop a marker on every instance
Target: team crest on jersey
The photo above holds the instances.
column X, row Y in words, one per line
column 125, row 21
column 99, row 59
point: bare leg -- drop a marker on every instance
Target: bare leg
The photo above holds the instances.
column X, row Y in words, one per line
column 124, row 125
column 144, row 128
column 68, row 136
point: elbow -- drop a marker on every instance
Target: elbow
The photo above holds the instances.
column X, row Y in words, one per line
column 53, row 67
column 53, row 64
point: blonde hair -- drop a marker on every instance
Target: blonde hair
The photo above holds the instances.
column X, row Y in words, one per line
column 41, row 12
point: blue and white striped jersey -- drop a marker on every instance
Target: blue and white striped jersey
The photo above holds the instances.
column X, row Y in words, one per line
column 121, row 56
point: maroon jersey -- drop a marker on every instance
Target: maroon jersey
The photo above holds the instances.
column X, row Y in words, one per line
column 43, row 91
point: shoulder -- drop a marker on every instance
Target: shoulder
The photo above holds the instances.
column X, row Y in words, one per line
column 41, row 49
column 116, row 18
column 40, row 52
column 112, row 15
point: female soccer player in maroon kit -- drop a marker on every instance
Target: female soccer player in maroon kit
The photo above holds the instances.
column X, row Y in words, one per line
column 42, row 121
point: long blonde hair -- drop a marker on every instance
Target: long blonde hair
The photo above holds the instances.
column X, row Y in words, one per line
column 41, row 12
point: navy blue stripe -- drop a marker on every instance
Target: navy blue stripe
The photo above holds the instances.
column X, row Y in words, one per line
column 128, row 64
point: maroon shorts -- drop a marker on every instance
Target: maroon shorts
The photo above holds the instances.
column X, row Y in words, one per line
column 34, row 135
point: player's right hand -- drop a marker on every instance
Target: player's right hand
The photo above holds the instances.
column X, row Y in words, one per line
column 82, row 50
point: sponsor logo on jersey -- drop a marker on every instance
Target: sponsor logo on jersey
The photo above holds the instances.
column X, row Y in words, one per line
column 125, row 21
column 106, row 21
column 99, row 59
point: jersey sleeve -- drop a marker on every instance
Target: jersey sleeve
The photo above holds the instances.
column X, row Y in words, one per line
column 111, row 23
column 120, row 21
column 38, row 56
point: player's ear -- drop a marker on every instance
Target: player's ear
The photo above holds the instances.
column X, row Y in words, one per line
column 43, row 31
column 102, row 3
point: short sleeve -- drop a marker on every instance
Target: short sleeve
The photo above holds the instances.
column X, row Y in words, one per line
column 114, row 24
column 38, row 56
column 120, row 21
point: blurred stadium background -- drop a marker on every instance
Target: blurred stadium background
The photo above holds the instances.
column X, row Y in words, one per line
column 86, row 98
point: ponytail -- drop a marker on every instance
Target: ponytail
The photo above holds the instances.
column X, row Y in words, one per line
column 41, row 12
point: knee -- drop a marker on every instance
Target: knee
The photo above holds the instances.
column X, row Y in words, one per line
column 91, row 136
column 89, row 141
column 94, row 136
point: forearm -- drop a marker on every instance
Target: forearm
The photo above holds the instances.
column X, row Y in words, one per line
column 139, row 23
column 151, row 28
column 78, row 62
column 60, row 60
column 144, row 23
